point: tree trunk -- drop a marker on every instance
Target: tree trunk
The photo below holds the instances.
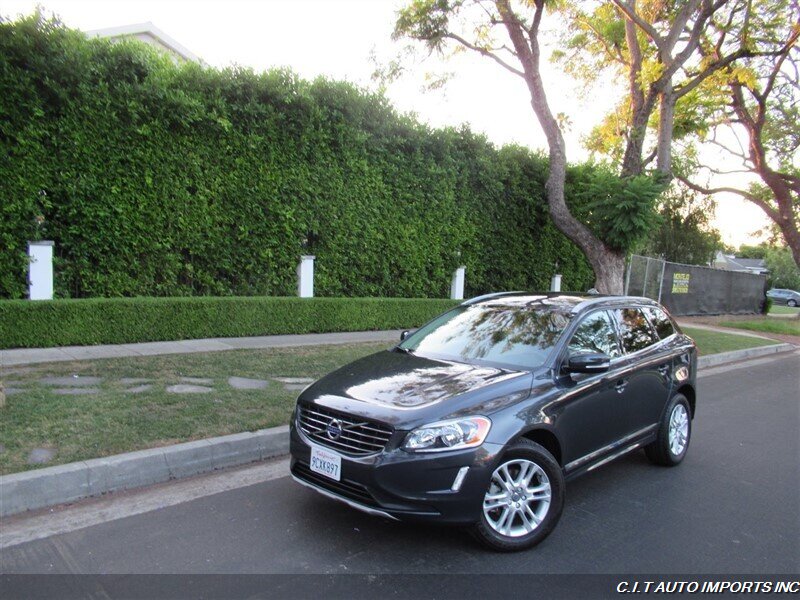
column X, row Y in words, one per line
column 666, row 120
column 608, row 265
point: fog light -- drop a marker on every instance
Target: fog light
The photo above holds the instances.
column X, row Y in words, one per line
column 462, row 473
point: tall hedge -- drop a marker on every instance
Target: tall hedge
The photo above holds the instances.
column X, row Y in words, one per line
column 159, row 179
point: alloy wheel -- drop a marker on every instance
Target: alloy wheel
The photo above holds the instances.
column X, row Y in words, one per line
column 678, row 429
column 518, row 498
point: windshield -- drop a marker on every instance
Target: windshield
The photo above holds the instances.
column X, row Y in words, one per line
column 517, row 336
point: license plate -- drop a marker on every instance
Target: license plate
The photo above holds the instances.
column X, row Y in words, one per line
column 326, row 463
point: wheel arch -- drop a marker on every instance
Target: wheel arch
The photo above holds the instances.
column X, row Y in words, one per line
column 688, row 391
column 547, row 439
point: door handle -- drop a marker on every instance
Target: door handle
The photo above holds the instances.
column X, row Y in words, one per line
column 621, row 385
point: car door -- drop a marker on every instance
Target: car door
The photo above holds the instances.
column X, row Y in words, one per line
column 645, row 373
column 591, row 415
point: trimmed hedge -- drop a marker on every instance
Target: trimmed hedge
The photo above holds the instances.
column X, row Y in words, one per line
column 25, row 324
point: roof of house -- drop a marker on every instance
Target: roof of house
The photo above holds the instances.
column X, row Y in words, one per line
column 751, row 263
column 150, row 30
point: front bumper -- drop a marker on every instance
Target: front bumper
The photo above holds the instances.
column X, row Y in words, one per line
column 403, row 485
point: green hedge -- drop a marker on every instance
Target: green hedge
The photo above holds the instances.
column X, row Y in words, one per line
column 25, row 324
column 156, row 179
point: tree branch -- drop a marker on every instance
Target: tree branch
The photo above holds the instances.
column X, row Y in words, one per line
column 630, row 12
column 485, row 52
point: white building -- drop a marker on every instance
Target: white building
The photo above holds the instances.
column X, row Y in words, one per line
column 149, row 34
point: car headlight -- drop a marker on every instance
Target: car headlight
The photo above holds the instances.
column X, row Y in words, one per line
column 453, row 434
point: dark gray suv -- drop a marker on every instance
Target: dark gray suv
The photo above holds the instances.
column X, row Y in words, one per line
column 480, row 416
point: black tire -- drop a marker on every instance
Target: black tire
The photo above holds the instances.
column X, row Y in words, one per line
column 660, row 452
column 526, row 450
column 791, row 303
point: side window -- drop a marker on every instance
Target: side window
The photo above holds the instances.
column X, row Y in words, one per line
column 595, row 334
column 634, row 330
column 661, row 322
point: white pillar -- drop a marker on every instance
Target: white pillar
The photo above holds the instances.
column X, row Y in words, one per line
column 40, row 270
column 555, row 283
column 305, row 277
column 457, row 284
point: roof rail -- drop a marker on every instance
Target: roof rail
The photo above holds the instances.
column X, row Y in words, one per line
column 477, row 299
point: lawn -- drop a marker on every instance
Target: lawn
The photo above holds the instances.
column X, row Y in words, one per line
column 121, row 416
column 784, row 310
column 767, row 325
column 712, row 342
column 114, row 419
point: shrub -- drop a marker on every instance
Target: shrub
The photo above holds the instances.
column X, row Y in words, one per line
column 26, row 324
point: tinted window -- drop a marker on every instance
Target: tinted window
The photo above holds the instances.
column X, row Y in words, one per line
column 661, row 322
column 517, row 336
column 635, row 332
column 595, row 334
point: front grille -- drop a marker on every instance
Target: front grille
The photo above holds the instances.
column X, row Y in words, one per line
column 348, row 489
column 358, row 436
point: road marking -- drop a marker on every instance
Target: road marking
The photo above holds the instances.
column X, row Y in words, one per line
column 21, row 528
column 753, row 362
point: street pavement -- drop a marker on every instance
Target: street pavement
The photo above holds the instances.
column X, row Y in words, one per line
column 733, row 506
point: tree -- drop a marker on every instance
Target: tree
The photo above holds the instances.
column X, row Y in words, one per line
column 657, row 49
column 734, row 71
column 761, row 116
column 783, row 271
column 510, row 37
column 685, row 234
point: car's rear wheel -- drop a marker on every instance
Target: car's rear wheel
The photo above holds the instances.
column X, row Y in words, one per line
column 791, row 303
column 523, row 501
column 674, row 434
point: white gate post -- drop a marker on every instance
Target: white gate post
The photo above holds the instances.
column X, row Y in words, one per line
column 555, row 283
column 305, row 277
column 457, row 284
column 40, row 270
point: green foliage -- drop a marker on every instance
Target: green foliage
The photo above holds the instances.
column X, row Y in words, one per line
column 26, row 324
column 749, row 251
column 162, row 180
column 783, row 271
column 621, row 211
column 685, row 233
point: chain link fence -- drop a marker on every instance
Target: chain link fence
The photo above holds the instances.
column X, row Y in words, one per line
column 693, row 289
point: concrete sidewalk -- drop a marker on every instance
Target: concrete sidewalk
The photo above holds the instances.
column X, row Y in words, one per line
column 23, row 356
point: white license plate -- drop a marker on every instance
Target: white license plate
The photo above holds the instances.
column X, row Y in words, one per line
column 326, row 462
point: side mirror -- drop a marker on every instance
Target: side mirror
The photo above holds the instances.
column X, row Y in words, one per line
column 404, row 335
column 589, row 363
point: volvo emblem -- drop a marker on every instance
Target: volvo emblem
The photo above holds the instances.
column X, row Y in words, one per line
column 334, row 429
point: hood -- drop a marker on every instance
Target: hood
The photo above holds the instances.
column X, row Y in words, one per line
column 399, row 381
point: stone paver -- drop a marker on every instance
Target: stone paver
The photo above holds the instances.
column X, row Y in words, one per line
column 75, row 391
column 183, row 388
column 13, row 391
column 305, row 380
column 140, row 388
column 134, row 380
column 197, row 380
column 2, row 448
column 245, row 383
column 40, row 456
column 294, row 387
column 74, row 380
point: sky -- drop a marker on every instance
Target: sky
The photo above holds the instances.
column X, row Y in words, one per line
column 342, row 39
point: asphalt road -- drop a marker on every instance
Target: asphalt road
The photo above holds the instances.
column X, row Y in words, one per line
column 733, row 506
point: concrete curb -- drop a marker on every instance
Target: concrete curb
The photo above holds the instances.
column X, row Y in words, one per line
column 39, row 488
column 713, row 360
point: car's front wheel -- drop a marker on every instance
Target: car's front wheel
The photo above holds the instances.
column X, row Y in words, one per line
column 524, row 499
column 674, row 433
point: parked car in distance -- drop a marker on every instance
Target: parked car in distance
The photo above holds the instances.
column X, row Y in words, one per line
column 480, row 416
column 783, row 296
